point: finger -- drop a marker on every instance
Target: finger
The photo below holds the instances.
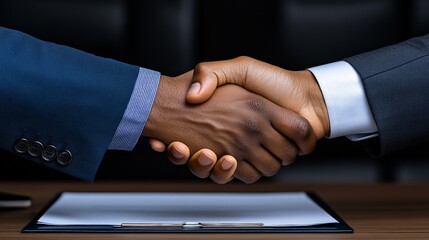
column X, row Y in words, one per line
column 202, row 88
column 209, row 75
column 157, row 145
column 279, row 146
column 264, row 162
column 246, row 172
column 224, row 169
column 294, row 127
column 202, row 162
column 178, row 153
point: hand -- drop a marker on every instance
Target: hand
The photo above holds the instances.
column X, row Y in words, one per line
column 294, row 90
column 203, row 164
column 220, row 171
column 233, row 121
column 297, row 91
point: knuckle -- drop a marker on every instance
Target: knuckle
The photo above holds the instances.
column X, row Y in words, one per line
column 175, row 160
column 247, row 176
column 288, row 160
column 251, row 178
column 303, row 128
column 198, row 173
column 217, row 179
column 241, row 145
column 251, row 126
column 310, row 147
column 201, row 68
column 291, row 149
column 275, row 167
column 256, row 105
column 244, row 58
column 246, row 172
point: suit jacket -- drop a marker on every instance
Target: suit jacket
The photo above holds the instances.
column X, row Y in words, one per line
column 59, row 106
column 396, row 82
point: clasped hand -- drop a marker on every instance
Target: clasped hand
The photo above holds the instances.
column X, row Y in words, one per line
column 254, row 115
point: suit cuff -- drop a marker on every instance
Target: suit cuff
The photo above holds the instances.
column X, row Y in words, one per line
column 346, row 102
column 137, row 112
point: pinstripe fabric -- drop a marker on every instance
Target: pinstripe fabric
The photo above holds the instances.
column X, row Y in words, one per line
column 137, row 112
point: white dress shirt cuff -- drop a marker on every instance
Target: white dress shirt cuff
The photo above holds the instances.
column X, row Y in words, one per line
column 348, row 109
column 137, row 112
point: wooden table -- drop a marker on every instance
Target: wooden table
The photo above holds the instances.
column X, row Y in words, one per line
column 373, row 211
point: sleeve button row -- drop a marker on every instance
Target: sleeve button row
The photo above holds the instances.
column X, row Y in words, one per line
column 47, row 153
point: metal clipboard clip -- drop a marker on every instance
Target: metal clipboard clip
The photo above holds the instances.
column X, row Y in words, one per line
column 191, row 225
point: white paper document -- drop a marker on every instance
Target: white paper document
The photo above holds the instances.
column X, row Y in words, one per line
column 267, row 209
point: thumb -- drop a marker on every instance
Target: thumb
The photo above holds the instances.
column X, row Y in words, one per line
column 202, row 87
column 209, row 75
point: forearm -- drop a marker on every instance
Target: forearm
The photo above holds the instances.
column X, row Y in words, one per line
column 396, row 82
column 137, row 112
column 347, row 106
column 62, row 97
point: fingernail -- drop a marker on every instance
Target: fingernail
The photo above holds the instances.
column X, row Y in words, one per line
column 204, row 160
column 176, row 153
column 226, row 164
column 195, row 88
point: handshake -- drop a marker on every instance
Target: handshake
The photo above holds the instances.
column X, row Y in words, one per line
column 254, row 116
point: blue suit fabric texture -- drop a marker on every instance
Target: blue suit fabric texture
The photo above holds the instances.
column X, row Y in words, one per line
column 61, row 97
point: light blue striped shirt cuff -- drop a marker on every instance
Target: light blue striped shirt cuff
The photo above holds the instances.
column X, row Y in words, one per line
column 137, row 112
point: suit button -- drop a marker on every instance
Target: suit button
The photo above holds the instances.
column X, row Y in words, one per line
column 21, row 145
column 64, row 158
column 35, row 149
column 49, row 153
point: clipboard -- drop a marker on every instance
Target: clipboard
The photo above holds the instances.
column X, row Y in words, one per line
column 191, row 226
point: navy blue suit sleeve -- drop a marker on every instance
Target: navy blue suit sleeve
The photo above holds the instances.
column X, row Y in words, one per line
column 62, row 97
column 396, row 82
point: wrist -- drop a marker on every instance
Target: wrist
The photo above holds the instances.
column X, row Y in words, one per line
column 170, row 111
column 314, row 108
column 164, row 100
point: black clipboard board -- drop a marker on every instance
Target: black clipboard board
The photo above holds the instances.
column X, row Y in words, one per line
column 340, row 227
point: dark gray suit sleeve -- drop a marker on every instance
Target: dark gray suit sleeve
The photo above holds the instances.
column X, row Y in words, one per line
column 396, row 82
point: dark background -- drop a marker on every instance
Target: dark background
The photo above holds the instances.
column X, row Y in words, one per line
column 171, row 36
